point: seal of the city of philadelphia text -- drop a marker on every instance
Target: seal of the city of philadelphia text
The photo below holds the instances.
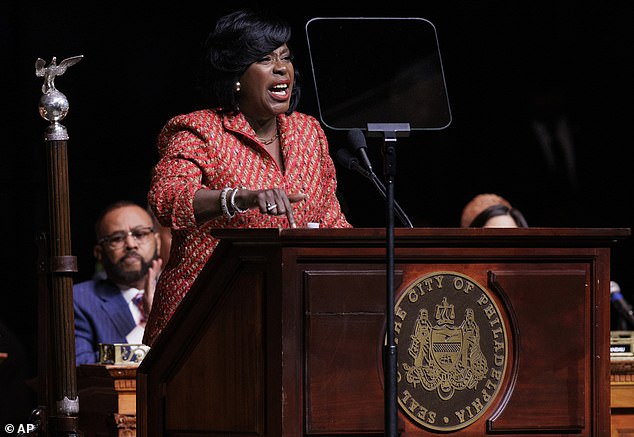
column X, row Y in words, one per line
column 452, row 350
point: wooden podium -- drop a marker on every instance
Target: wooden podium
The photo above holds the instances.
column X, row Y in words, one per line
column 282, row 335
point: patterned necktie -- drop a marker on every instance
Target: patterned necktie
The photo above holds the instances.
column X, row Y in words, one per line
column 138, row 301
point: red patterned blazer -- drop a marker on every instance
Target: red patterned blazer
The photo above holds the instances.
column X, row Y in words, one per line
column 208, row 149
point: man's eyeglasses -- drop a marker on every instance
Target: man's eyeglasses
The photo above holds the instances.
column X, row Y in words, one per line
column 117, row 239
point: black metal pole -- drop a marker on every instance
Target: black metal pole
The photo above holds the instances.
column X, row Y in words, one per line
column 390, row 131
column 390, row 356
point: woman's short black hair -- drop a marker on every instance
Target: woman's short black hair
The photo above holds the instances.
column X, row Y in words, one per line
column 496, row 210
column 238, row 40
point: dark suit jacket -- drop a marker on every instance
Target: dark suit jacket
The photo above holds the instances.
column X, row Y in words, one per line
column 101, row 316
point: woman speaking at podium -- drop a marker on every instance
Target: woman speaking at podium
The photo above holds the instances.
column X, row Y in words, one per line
column 249, row 160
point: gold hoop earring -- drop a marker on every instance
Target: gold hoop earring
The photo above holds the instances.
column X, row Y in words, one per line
column 236, row 87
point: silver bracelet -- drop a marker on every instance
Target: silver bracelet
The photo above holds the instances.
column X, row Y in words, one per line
column 223, row 202
column 235, row 207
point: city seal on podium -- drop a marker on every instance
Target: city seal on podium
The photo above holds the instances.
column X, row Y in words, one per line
column 452, row 350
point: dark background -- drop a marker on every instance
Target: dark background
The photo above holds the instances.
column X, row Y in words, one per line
column 138, row 70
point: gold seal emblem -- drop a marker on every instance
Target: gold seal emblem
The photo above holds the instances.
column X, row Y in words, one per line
column 451, row 350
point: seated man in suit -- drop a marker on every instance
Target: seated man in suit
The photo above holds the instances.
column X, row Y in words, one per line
column 114, row 309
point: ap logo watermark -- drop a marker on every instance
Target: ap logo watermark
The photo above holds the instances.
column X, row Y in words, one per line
column 19, row 429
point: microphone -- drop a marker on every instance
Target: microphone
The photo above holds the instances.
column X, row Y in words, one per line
column 345, row 158
column 620, row 304
column 357, row 142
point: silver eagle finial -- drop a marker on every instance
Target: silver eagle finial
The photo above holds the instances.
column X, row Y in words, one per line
column 49, row 73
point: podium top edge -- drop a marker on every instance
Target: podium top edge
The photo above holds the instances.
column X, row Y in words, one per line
column 504, row 236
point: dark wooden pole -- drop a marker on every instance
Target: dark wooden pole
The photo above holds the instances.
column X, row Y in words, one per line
column 64, row 402
column 58, row 344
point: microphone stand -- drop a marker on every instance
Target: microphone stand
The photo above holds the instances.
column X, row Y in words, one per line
column 390, row 131
column 397, row 208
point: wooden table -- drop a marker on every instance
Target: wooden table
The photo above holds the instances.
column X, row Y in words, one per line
column 107, row 400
